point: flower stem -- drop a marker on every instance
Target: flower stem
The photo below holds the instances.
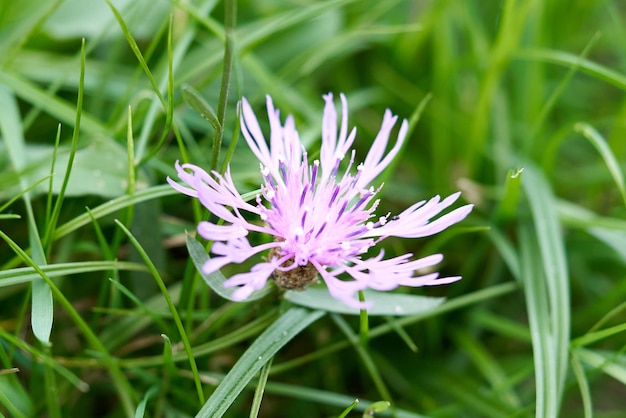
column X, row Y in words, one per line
column 365, row 327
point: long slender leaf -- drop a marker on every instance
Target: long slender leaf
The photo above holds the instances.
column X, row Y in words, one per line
column 121, row 384
column 605, row 152
column 290, row 324
column 114, row 205
column 571, row 60
column 28, row 274
column 172, row 307
column 42, row 308
column 393, row 304
column 556, row 319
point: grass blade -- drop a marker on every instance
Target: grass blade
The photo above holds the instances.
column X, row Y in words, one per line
column 290, row 324
column 605, row 152
column 42, row 310
column 552, row 318
column 170, row 304
column 114, row 205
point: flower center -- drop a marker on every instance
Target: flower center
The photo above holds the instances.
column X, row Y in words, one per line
column 295, row 278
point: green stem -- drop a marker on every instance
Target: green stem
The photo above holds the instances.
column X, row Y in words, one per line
column 172, row 307
column 121, row 384
column 366, row 358
column 364, row 321
column 230, row 16
column 52, row 398
column 260, row 389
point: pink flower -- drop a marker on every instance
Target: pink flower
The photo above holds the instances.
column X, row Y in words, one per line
column 321, row 217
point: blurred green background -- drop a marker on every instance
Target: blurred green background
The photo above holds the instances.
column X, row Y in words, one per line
column 518, row 104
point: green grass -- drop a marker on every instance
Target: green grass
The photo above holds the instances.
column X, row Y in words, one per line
column 518, row 104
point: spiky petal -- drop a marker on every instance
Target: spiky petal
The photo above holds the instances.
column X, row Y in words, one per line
column 321, row 217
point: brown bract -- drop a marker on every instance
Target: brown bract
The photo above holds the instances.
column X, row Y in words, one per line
column 298, row 278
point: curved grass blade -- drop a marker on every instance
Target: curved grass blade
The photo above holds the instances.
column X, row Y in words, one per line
column 365, row 356
column 28, row 274
column 47, row 241
column 135, row 48
column 607, row 155
column 583, row 385
column 470, row 299
column 325, row 397
column 548, row 300
column 609, row 362
column 260, row 389
column 40, row 356
column 346, row 411
column 571, row 60
column 113, row 206
column 197, row 103
column 42, row 310
column 170, row 304
column 120, row 382
column 290, row 324
column 141, row 408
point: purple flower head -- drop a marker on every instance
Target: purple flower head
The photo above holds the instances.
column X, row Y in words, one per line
column 321, row 216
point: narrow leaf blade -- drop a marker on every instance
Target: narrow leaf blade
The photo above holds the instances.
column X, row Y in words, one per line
column 384, row 303
column 290, row 324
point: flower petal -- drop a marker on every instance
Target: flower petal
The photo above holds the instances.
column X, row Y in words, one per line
column 414, row 222
column 374, row 162
column 236, row 250
column 344, row 291
column 251, row 281
column 252, row 133
column 214, row 232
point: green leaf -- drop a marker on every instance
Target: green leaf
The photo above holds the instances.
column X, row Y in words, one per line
column 28, row 274
column 100, row 169
column 113, row 206
column 135, row 48
column 346, row 411
column 170, row 304
column 547, row 293
column 197, row 103
column 510, row 197
column 216, row 280
column 567, row 59
column 583, row 385
column 57, row 107
column 607, row 155
column 91, row 18
column 394, row 304
column 14, row 401
column 547, row 249
column 613, row 364
column 141, row 408
column 290, row 324
column 593, row 337
column 42, row 310
column 379, row 406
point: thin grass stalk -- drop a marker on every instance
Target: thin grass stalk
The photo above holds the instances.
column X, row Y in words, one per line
column 260, row 389
column 366, row 358
column 172, row 307
column 230, row 18
column 48, row 237
column 120, row 383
